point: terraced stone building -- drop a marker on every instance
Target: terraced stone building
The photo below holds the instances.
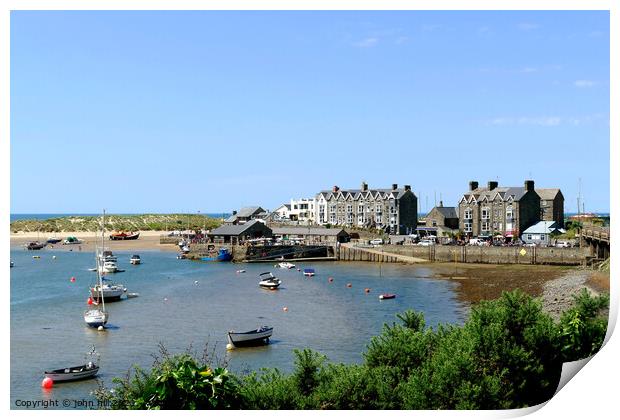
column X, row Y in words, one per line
column 495, row 210
column 393, row 210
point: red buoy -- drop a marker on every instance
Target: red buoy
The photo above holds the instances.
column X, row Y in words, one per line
column 72, row 279
column 349, row 285
column 367, row 290
column 47, row 383
column 90, row 300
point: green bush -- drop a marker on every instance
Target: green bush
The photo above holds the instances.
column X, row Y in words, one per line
column 508, row 354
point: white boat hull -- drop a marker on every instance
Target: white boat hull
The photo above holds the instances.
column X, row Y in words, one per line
column 249, row 338
column 72, row 375
column 95, row 318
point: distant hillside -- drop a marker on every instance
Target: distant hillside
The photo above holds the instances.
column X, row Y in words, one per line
column 135, row 222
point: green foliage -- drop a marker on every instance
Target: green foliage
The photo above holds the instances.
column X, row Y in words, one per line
column 271, row 390
column 177, row 383
column 507, row 355
column 134, row 222
column 583, row 327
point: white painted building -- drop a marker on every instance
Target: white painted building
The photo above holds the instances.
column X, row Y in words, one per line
column 302, row 211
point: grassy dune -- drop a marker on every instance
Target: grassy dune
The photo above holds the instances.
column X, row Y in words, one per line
column 136, row 222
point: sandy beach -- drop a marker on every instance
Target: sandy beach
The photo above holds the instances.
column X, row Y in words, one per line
column 148, row 240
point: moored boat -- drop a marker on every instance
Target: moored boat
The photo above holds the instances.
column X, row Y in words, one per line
column 110, row 291
column 35, row 245
column 135, row 259
column 269, row 281
column 309, row 272
column 72, row 240
column 124, row 236
column 250, row 338
column 53, row 240
column 98, row 317
column 223, row 255
column 76, row 373
column 387, row 296
column 287, row 265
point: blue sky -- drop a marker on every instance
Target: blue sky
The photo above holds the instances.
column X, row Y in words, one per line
column 211, row 111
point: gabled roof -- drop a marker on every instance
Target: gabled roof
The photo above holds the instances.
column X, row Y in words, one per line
column 249, row 211
column 234, row 230
column 547, row 193
column 232, row 219
column 447, row 212
column 541, row 227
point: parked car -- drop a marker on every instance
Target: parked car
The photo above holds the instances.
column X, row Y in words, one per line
column 377, row 241
column 476, row 241
column 563, row 244
column 426, row 242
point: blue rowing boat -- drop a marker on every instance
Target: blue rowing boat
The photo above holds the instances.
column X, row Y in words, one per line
column 223, row 255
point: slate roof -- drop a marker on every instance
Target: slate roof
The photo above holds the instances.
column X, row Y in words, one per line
column 547, row 193
column 541, row 227
column 383, row 192
column 234, row 230
column 504, row 192
column 249, row 211
column 448, row 212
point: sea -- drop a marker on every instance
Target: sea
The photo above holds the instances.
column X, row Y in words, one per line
column 192, row 305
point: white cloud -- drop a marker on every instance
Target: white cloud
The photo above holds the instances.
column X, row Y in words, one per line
column 544, row 121
column 526, row 26
column 584, row 83
column 367, row 42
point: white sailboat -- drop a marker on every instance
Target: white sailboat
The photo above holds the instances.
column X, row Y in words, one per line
column 98, row 317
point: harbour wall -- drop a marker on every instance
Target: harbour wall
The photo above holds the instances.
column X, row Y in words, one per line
column 467, row 254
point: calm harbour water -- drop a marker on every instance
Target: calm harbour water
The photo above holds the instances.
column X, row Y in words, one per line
column 48, row 330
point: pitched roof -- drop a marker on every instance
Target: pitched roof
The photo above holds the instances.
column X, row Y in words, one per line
column 542, row 227
column 234, row 230
column 233, row 218
column 447, row 212
column 357, row 193
column 547, row 193
column 504, row 192
column 249, row 211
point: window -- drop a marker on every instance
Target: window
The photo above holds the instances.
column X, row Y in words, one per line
column 349, row 208
column 332, row 218
column 542, row 237
column 468, row 215
column 509, row 213
column 485, row 226
column 332, row 208
column 434, row 223
column 529, row 237
column 378, row 208
column 350, row 218
column 360, row 219
column 360, row 208
column 485, row 213
column 467, row 226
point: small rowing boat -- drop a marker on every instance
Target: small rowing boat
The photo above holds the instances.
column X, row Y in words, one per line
column 387, row 296
column 250, row 338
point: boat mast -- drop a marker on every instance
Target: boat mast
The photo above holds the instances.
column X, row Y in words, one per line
column 98, row 272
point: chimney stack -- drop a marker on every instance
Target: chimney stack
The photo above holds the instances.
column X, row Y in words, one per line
column 407, row 187
column 364, row 186
column 492, row 185
column 473, row 185
column 440, row 203
column 234, row 212
column 394, row 187
column 529, row 185
column 336, row 188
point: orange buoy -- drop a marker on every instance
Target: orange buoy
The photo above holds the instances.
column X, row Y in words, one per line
column 285, row 309
column 367, row 290
column 330, row 280
column 47, row 383
column 349, row 284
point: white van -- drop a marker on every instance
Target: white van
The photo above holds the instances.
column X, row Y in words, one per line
column 377, row 241
column 476, row 241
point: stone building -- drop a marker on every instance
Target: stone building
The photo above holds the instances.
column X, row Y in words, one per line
column 234, row 234
column 494, row 210
column 394, row 210
column 551, row 205
column 444, row 217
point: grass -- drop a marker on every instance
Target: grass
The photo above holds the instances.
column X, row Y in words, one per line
column 137, row 222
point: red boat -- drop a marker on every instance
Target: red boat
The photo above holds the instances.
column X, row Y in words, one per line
column 124, row 236
column 387, row 296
